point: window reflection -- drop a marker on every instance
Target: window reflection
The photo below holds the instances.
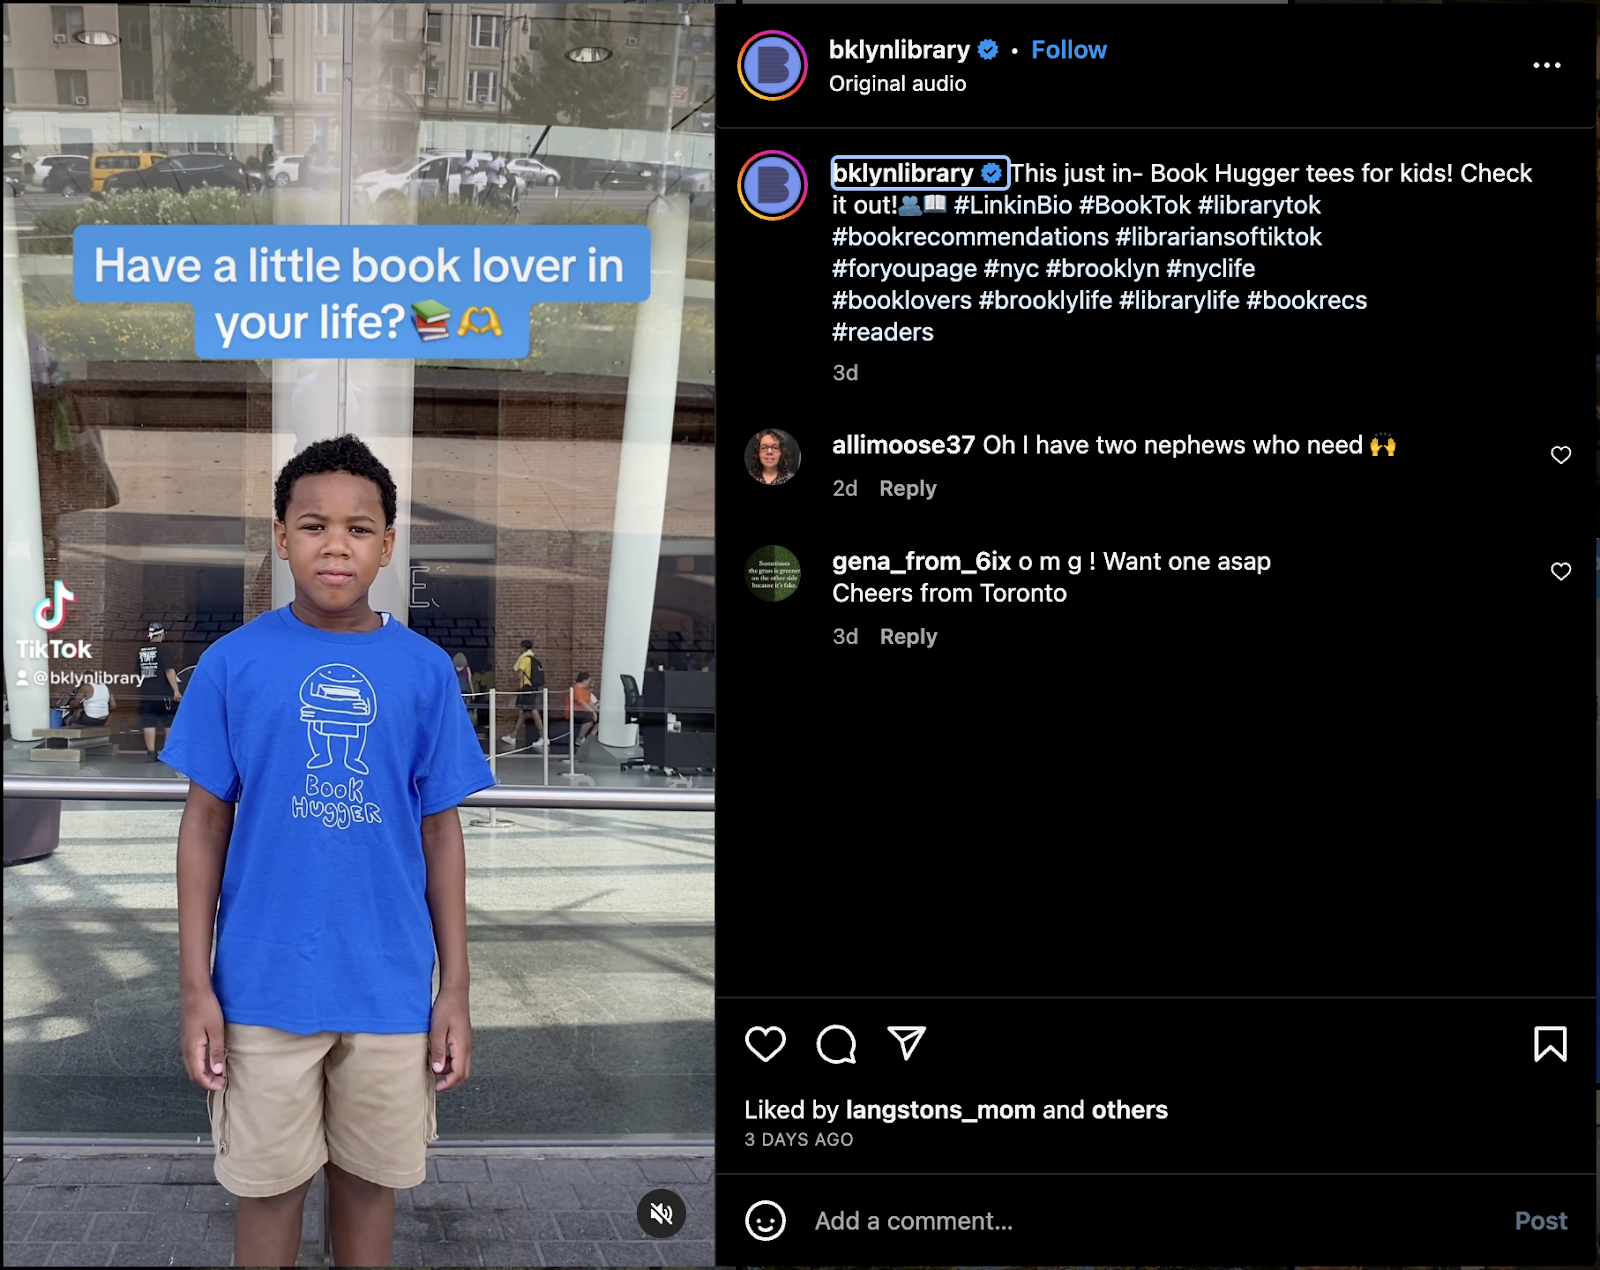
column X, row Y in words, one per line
column 153, row 467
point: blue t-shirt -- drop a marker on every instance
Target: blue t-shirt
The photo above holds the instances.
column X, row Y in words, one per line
column 334, row 746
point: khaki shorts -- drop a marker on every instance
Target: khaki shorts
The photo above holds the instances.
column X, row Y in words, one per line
column 292, row 1103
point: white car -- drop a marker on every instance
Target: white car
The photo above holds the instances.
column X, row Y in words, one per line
column 533, row 172
column 432, row 176
column 41, row 168
column 286, row 170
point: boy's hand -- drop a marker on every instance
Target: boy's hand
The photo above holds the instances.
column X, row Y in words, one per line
column 450, row 1039
column 200, row 1034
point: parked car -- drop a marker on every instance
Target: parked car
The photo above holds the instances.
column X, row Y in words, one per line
column 286, row 169
column 432, row 176
column 519, row 179
column 37, row 172
column 111, row 163
column 614, row 174
column 69, row 174
column 185, row 172
column 533, row 172
column 13, row 185
column 690, row 180
column 320, row 171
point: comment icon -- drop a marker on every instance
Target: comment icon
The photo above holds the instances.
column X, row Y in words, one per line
column 836, row 1044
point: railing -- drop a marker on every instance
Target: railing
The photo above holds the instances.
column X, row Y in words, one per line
column 132, row 789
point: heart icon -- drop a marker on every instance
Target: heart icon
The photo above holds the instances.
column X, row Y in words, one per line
column 1560, row 453
column 760, row 1042
column 1561, row 569
column 491, row 325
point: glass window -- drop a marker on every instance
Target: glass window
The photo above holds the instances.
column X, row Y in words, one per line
column 397, row 29
column 136, row 33
column 155, row 506
column 72, row 88
column 483, row 87
column 486, row 30
column 7, row 13
column 65, row 21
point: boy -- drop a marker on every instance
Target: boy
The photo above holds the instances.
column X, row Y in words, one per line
column 327, row 752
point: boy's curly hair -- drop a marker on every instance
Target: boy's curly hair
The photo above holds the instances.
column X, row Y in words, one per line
column 339, row 454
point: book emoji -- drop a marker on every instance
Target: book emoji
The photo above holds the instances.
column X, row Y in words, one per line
column 433, row 320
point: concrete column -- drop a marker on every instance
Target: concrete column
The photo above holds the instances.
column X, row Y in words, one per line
column 315, row 399
column 24, row 580
column 642, row 474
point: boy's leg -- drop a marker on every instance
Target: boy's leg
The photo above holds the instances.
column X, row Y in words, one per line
column 267, row 1123
column 380, row 1119
column 266, row 1232
column 360, row 1219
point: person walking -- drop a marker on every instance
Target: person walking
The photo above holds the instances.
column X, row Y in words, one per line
column 159, row 693
column 530, row 678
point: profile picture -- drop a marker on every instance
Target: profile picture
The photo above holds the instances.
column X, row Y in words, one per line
column 772, row 573
column 772, row 457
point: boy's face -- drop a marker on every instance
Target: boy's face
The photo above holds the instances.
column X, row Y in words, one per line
column 334, row 537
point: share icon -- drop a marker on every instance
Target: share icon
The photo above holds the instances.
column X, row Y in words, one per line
column 908, row 1038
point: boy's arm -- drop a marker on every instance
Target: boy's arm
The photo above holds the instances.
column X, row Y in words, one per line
column 177, row 692
column 203, row 837
column 450, row 1036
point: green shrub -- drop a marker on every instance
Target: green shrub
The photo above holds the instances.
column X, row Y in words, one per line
column 116, row 332
column 210, row 205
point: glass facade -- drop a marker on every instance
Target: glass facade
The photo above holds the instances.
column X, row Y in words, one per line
column 563, row 498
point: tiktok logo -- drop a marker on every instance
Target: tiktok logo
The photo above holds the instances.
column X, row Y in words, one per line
column 63, row 598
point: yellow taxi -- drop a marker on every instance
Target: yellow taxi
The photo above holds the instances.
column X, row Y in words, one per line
column 113, row 161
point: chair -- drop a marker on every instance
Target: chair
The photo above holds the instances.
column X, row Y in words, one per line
column 631, row 703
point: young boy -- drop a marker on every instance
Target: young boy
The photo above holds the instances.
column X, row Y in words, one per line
column 327, row 751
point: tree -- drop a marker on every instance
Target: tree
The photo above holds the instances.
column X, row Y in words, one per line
column 206, row 74
column 580, row 94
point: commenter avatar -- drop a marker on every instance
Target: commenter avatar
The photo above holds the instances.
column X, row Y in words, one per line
column 772, row 457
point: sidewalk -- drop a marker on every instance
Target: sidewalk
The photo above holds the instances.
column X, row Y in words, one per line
column 84, row 1206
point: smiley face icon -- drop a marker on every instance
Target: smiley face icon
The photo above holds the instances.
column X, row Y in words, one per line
column 765, row 1220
